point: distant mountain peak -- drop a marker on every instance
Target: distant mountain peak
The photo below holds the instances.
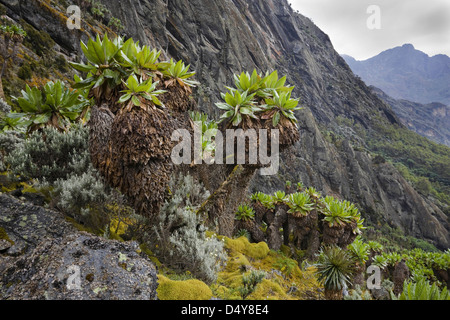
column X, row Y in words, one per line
column 347, row 57
column 408, row 46
column 406, row 73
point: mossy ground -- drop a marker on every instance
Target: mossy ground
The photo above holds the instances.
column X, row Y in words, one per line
column 191, row 289
column 243, row 257
column 4, row 236
column 8, row 184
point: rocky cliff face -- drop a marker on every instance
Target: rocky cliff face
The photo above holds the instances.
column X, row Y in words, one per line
column 219, row 38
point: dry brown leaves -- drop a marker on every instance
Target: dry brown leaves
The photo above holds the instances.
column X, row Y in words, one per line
column 137, row 156
column 139, row 135
column 177, row 98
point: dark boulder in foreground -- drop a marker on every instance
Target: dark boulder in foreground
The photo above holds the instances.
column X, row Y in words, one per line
column 46, row 258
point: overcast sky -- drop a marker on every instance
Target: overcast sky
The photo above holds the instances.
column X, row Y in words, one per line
column 423, row 23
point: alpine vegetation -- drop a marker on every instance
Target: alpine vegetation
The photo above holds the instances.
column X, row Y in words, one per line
column 58, row 156
column 179, row 235
column 126, row 152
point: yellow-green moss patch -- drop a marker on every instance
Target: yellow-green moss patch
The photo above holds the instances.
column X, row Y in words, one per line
column 252, row 250
column 28, row 189
column 269, row 290
column 4, row 236
column 145, row 249
column 244, row 256
column 192, row 289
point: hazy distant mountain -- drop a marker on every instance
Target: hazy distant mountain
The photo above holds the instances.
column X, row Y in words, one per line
column 406, row 73
column 429, row 120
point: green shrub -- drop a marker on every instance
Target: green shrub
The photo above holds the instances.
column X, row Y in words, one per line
column 209, row 130
column 137, row 90
column 4, row 106
column 300, row 204
column 285, row 265
column 8, row 142
column 116, row 24
column 250, row 282
column 179, row 73
column 421, row 264
column 424, row 163
column 422, row 290
column 51, row 155
column 258, row 97
column 359, row 250
column 54, row 105
column 266, row 200
column 25, row 72
column 191, row 289
column 380, row 262
column 242, row 233
column 358, row 294
column 178, row 236
column 245, row 213
column 60, row 162
column 83, row 197
column 341, row 212
column 98, row 10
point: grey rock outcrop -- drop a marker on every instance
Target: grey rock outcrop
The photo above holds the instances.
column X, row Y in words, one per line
column 49, row 259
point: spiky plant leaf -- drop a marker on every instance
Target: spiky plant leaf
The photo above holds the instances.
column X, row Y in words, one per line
column 359, row 250
column 136, row 89
column 56, row 105
column 102, row 64
column 245, row 213
column 279, row 105
column 238, row 105
column 179, row 73
column 334, row 268
column 300, row 204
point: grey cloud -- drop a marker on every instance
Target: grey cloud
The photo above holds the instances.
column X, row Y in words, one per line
column 425, row 23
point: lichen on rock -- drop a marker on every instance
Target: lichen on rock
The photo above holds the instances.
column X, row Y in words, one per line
column 49, row 259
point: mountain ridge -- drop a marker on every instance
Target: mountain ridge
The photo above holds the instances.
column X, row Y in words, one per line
column 406, row 73
column 429, row 120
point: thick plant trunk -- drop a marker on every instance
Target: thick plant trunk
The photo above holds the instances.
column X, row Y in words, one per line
column 221, row 206
column 2, row 93
column 313, row 245
column 252, row 226
column 2, row 72
column 400, row 275
column 331, row 235
column 333, row 294
column 358, row 278
column 273, row 231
